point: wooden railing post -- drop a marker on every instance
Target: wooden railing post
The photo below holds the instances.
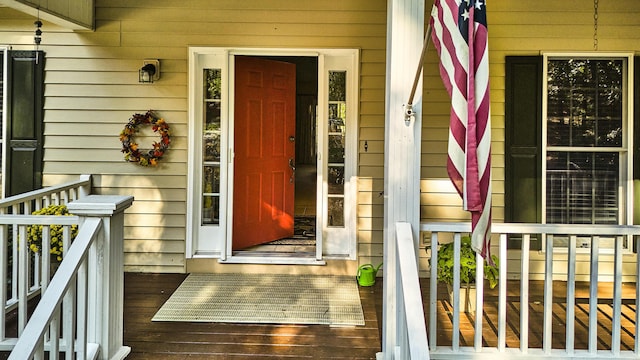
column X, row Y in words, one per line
column 106, row 279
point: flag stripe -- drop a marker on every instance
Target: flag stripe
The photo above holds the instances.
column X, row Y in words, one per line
column 460, row 38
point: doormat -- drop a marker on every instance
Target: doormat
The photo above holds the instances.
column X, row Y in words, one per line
column 265, row 299
column 304, row 232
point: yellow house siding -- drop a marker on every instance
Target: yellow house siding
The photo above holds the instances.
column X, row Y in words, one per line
column 92, row 89
column 516, row 28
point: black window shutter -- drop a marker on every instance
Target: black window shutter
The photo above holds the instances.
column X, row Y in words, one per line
column 24, row 141
column 523, row 142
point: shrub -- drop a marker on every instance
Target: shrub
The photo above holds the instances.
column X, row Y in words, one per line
column 467, row 264
column 34, row 232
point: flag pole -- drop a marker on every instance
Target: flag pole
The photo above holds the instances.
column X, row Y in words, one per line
column 409, row 108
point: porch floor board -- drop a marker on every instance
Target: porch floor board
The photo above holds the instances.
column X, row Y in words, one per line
column 145, row 294
column 536, row 309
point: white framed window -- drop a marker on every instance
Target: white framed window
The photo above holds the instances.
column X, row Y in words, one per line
column 586, row 142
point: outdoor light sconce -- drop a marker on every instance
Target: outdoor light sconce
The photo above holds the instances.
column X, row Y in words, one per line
column 149, row 72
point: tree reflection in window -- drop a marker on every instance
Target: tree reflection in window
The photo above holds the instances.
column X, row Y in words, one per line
column 336, row 128
column 585, row 102
column 211, row 146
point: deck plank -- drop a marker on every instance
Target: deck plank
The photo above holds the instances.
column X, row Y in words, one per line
column 145, row 293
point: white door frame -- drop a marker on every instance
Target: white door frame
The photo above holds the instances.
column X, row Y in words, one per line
column 215, row 241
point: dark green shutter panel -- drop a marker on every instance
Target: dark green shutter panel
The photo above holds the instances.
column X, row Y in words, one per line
column 523, row 135
column 25, row 79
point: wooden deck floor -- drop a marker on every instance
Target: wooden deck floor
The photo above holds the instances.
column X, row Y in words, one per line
column 145, row 293
column 536, row 307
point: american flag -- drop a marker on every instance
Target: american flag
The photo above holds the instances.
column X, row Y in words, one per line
column 459, row 33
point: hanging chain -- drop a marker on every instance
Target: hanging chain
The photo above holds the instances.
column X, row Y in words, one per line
column 595, row 25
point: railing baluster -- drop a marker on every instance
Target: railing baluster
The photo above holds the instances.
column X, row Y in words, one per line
column 502, row 294
column 54, row 335
column 571, row 294
column 433, row 293
column 69, row 319
column 3, row 274
column 22, row 279
column 64, row 196
column 14, row 249
column 524, row 294
column 548, row 295
column 45, row 249
column 593, row 296
column 82, row 310
column 39, row 355
column 617, row 298
column 479, row 301
column 455, row 338
column 477, row 341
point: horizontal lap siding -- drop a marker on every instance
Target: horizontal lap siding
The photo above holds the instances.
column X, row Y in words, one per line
column 92, row 89
column 515, row 28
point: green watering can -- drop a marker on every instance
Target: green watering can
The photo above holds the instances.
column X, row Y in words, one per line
column 367, row 274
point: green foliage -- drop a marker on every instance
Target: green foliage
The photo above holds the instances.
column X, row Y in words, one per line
column 467, row 264
column 34, row 232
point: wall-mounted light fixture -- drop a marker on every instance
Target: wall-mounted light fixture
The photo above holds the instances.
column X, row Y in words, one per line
column 149, row 72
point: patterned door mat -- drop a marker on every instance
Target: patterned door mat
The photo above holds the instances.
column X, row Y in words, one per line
column 260, row 298
column 304, row 232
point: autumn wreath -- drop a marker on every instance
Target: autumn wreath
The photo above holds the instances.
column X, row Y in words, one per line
column 130, row 148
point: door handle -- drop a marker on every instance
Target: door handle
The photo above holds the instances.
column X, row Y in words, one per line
column 293, row 170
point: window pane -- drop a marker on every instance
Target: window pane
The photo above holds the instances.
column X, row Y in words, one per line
column 337, row 115
column 336, row 149
column 582, row 187
column 211, row 180
column 337, row 85
column 211, row 195
column 211, row 132
column 336, row 212
column 210, row 210
column 584, row 102
column 212, row 82
column 336, row 180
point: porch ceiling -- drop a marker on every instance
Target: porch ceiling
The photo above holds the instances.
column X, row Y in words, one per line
column 71, row 14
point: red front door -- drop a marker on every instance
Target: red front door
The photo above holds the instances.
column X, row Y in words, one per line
column 264, row 128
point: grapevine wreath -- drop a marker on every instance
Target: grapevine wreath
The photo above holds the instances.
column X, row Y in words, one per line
column 130, row 147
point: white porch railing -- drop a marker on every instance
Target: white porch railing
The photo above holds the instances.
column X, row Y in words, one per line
column 547, row 233
column 412, row 337
column 70, row 283
column 80, row 310
column 25, row 204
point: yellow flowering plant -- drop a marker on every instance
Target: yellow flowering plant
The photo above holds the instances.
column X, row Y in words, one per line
column 34, row 232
